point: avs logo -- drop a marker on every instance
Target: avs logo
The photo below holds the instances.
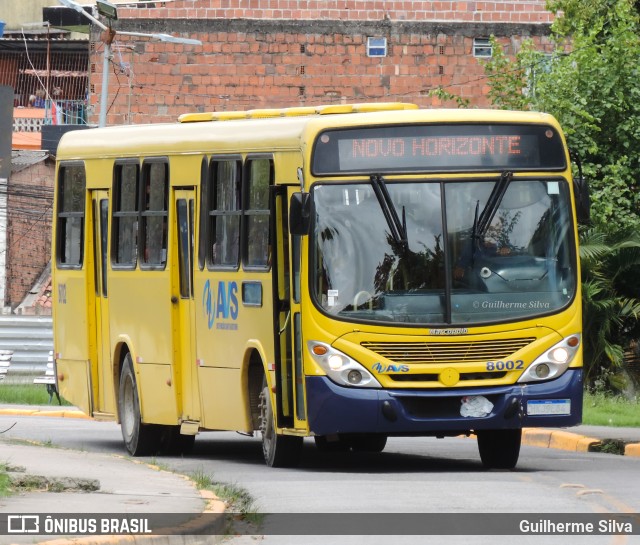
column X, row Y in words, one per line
column 221, row 308
column 390, row 368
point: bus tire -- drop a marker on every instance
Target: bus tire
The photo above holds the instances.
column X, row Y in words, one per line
column 174, row 443
column 278, row 450
column 140, row 439
column 368, row 442
column 338, row 444
column 499, row 449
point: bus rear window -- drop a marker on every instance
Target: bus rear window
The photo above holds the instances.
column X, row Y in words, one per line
column 71, row 210
column 438, row 148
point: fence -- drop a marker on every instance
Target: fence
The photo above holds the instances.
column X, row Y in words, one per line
column 25, row 343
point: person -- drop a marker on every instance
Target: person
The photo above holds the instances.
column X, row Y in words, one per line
column 39, row 101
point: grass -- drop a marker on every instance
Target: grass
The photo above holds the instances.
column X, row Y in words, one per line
column 238, row 500
column 5, row 483
column 601, row 409
column 27, row 394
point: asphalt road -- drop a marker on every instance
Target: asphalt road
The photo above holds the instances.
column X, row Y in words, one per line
column 412, row 475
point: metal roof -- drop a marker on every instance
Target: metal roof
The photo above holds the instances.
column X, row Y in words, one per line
column 21, row 159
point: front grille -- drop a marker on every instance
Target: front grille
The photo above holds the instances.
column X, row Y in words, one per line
column 448, row 352
column 435, row 407
column 432, row 377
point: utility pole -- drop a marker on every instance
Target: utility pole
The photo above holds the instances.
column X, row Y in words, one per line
column 110, row 12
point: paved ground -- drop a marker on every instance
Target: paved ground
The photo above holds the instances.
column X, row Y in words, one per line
column 126, row 486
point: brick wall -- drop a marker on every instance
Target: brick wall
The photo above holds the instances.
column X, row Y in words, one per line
column 29, row 205
column 524, row 11
column 282, row 53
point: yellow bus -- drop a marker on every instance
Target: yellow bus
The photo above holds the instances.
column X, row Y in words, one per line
column 346, row 272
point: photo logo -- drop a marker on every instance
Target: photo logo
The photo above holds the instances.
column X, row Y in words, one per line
column 23, row 524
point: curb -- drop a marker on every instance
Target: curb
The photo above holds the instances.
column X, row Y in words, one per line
column 558, row 439
column 564, row 440
column 60, row 413
column 632, row 449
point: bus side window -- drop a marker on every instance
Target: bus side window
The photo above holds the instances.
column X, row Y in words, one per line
column 71, row 208
column 256, row 213
column 154, row 214
column 125, row 215
column 203, row 235
column 225, row 211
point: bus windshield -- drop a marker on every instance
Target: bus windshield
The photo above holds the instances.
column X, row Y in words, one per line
column 470, row 251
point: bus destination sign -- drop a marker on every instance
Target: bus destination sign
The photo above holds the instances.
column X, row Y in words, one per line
column 443, row 148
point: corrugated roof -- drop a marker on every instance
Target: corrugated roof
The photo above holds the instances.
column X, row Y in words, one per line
column 21, row 159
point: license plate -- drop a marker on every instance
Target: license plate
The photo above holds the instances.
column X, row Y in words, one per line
column 549, row 406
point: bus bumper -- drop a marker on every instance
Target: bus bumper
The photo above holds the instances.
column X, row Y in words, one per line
column 335, row 409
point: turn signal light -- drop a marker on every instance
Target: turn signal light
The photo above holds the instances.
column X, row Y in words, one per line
column 319, row 350
column 573, row 341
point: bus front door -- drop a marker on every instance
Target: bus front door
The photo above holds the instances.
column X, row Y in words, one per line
column 287, row 317
column 102, row 368
column 184, row 310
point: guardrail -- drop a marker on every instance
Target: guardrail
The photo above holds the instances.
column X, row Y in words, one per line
column 25, row 344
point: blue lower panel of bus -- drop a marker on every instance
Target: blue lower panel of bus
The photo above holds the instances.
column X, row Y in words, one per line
column 335, row 409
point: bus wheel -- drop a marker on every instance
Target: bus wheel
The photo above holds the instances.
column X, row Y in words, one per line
column 499, row 449
column 368, row 442
column 278, row 450
column 140, row 439
column 338, row 444
column 173, row 443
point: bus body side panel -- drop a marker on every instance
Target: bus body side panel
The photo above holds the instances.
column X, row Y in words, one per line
column 227, row 326
column 140, row 308
column 70, row 333
column 73, row 309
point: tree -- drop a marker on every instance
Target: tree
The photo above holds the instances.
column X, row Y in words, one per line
column 591, row 84
column 610, row 315
column 593, row 88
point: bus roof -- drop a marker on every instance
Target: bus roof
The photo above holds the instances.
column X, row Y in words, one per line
column 263, row 130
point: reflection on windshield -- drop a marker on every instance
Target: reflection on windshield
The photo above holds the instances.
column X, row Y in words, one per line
column 519, row 264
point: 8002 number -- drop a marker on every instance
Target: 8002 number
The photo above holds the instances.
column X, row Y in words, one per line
column 508, row 365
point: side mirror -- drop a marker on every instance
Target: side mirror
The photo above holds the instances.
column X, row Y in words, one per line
column 581, row 194
column 300, row 213
column 583, row 200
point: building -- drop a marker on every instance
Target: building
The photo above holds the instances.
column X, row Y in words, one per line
column 254, row 54
column 26, row 203
column 281, row 53
column 48, row 73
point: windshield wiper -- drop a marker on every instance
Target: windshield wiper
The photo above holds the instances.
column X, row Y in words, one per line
column 398, row 228
column 493, row 203
column 481, row 223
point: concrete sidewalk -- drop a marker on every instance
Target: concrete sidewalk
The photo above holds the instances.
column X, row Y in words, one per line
column 117, row 485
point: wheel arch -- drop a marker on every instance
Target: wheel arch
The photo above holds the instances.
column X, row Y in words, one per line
column 254, row 369
column 120, row 353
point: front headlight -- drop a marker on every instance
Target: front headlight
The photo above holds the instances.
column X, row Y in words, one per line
column 553, row 362
column 340, row 368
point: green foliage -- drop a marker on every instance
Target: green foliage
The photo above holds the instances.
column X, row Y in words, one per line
column 511, row 79
column 602, row 409
column 610, row 309
column 446, row 96
column 591, row 84
column 27, row 394
column 5, row 482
